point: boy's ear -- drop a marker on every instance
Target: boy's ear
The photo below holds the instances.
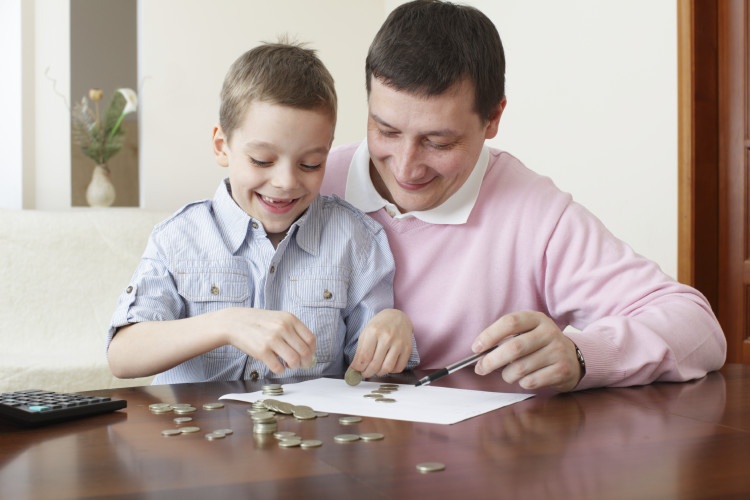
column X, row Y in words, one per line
column 220, row 145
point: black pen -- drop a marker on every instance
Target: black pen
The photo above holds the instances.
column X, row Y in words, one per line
column 452, row 368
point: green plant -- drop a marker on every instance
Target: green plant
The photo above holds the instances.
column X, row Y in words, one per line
column 101, row 138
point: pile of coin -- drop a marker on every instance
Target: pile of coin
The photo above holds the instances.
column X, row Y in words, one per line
column 380, row 394
column 179, row 408
column 350, row 438
column 273, row 390
column 264, row 422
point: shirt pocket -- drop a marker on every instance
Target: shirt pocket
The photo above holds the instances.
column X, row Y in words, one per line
column 320, row 296
column 212, row 285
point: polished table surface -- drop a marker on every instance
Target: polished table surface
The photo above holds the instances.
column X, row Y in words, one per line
column 689, row 440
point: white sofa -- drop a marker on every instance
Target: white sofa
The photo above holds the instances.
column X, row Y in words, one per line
column 62, row 272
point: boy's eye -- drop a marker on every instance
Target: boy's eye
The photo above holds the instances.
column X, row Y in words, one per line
column 259, row 163
column 311, row 167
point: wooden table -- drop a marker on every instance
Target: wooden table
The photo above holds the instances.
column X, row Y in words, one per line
column 688, row 440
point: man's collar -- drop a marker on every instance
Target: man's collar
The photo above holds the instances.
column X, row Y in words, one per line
column 361, row 192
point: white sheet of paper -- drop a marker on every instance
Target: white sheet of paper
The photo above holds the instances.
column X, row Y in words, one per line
column 436, row 405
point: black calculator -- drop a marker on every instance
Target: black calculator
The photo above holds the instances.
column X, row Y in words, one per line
column 36, row 407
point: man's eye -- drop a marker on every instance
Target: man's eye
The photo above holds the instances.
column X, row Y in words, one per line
column 387, row 133
column 259, row 163
column 439, row 145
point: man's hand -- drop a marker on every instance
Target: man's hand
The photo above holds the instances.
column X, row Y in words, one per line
column 385, row 344
column 535, row 353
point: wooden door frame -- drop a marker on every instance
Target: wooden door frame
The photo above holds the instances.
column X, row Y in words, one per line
column 712, row 183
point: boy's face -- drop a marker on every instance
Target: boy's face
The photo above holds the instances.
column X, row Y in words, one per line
column 276, row 161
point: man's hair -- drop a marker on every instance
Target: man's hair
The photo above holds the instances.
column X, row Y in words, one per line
column 284, row 73
column 426, row 46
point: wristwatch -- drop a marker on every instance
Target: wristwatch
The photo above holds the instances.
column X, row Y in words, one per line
column 581, row 361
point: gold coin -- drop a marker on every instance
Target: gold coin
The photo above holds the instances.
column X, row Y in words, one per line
column 430, row 467
column 386, row 400
column 352, row 376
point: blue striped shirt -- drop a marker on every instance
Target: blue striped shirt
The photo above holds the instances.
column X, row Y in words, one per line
column 333, row 270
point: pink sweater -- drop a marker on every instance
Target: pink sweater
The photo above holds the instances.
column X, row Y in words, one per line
column 528, row 246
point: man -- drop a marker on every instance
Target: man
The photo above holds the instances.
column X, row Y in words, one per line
column 488, row 252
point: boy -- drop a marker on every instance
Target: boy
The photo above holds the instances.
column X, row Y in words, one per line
column 267, row 280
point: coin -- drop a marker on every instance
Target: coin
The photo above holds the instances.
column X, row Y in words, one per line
column 213, row 406
column 182, row 420
column 321, row 414
column 211, row 436
column 346, row 438
column 171, row 432
column 181, row 410
column 371, row 436
column 188, row 429
column 352, row 376
column 226, row 432
column 349, row 420
column 373, row 395
column 290, row 442
column 284, row 434
column 386, row 400
column 303, row 412
column 430, row 467
column 313, row 362
column 311, row 443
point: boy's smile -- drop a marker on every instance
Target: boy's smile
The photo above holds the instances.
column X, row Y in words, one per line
column 276, row 161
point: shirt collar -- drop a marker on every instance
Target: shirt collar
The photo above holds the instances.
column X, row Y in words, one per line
column 233, row 221
column 361, row 192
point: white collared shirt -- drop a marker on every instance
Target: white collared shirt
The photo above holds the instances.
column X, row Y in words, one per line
column 361, row 192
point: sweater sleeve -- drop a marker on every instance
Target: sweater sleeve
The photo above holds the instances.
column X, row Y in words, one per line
column 633, row 323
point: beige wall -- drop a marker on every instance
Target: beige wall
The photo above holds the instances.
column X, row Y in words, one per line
column 591, row 90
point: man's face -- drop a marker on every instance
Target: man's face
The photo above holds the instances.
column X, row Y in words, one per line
column 276, row 161
column 424, row 148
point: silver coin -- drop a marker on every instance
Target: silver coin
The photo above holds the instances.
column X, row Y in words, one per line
column 311, row 443
column 373, row 396
column 158, row 406
column 313, row 362
column 265, row 428
column 263, row 416
column 371, row 436
column 162, row 409
column 180, row 405
column 284, row 434
column 346, row 438
column 272, row 387
column 284, row 407
column 430, row 467
column 386, row 400
column 181, row 410
column 292, row 442
column 213, row 406
column 349, row 420
column 211, row 436
column 321, row 414
column 189, row 429
column 303, row 412
column 352, row 376
column 393, row 387
column 182, row 420
column 226, row 432
column 171, row 432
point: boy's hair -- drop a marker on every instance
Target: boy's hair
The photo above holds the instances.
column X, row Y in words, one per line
column 284, row 73
column 426, row 46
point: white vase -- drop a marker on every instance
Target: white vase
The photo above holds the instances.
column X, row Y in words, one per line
column 101, row 191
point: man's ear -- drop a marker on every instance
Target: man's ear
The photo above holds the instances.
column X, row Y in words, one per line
column 494, row 122
column 221, row 146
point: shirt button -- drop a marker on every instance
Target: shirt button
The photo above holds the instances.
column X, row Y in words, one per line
column 129, row 289
column 214, row 290
column 327, row 294
column 273, row 269
column 255, row 225
column 254, row 375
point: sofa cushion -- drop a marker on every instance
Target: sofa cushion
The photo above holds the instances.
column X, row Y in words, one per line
column 62, row 272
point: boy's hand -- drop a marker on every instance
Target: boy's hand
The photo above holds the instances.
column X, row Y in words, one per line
column 385, row 344
column 270, row 335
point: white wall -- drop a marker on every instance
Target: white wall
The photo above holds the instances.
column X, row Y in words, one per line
column 591, row 91
column 11, row 139
column 186, row 48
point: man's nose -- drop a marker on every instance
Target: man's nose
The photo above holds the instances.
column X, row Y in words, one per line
column 406, row 159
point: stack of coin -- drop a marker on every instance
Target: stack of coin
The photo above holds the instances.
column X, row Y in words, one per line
column 158, row 408
column 273, row 390
column 264, row 422
column 380, row 393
